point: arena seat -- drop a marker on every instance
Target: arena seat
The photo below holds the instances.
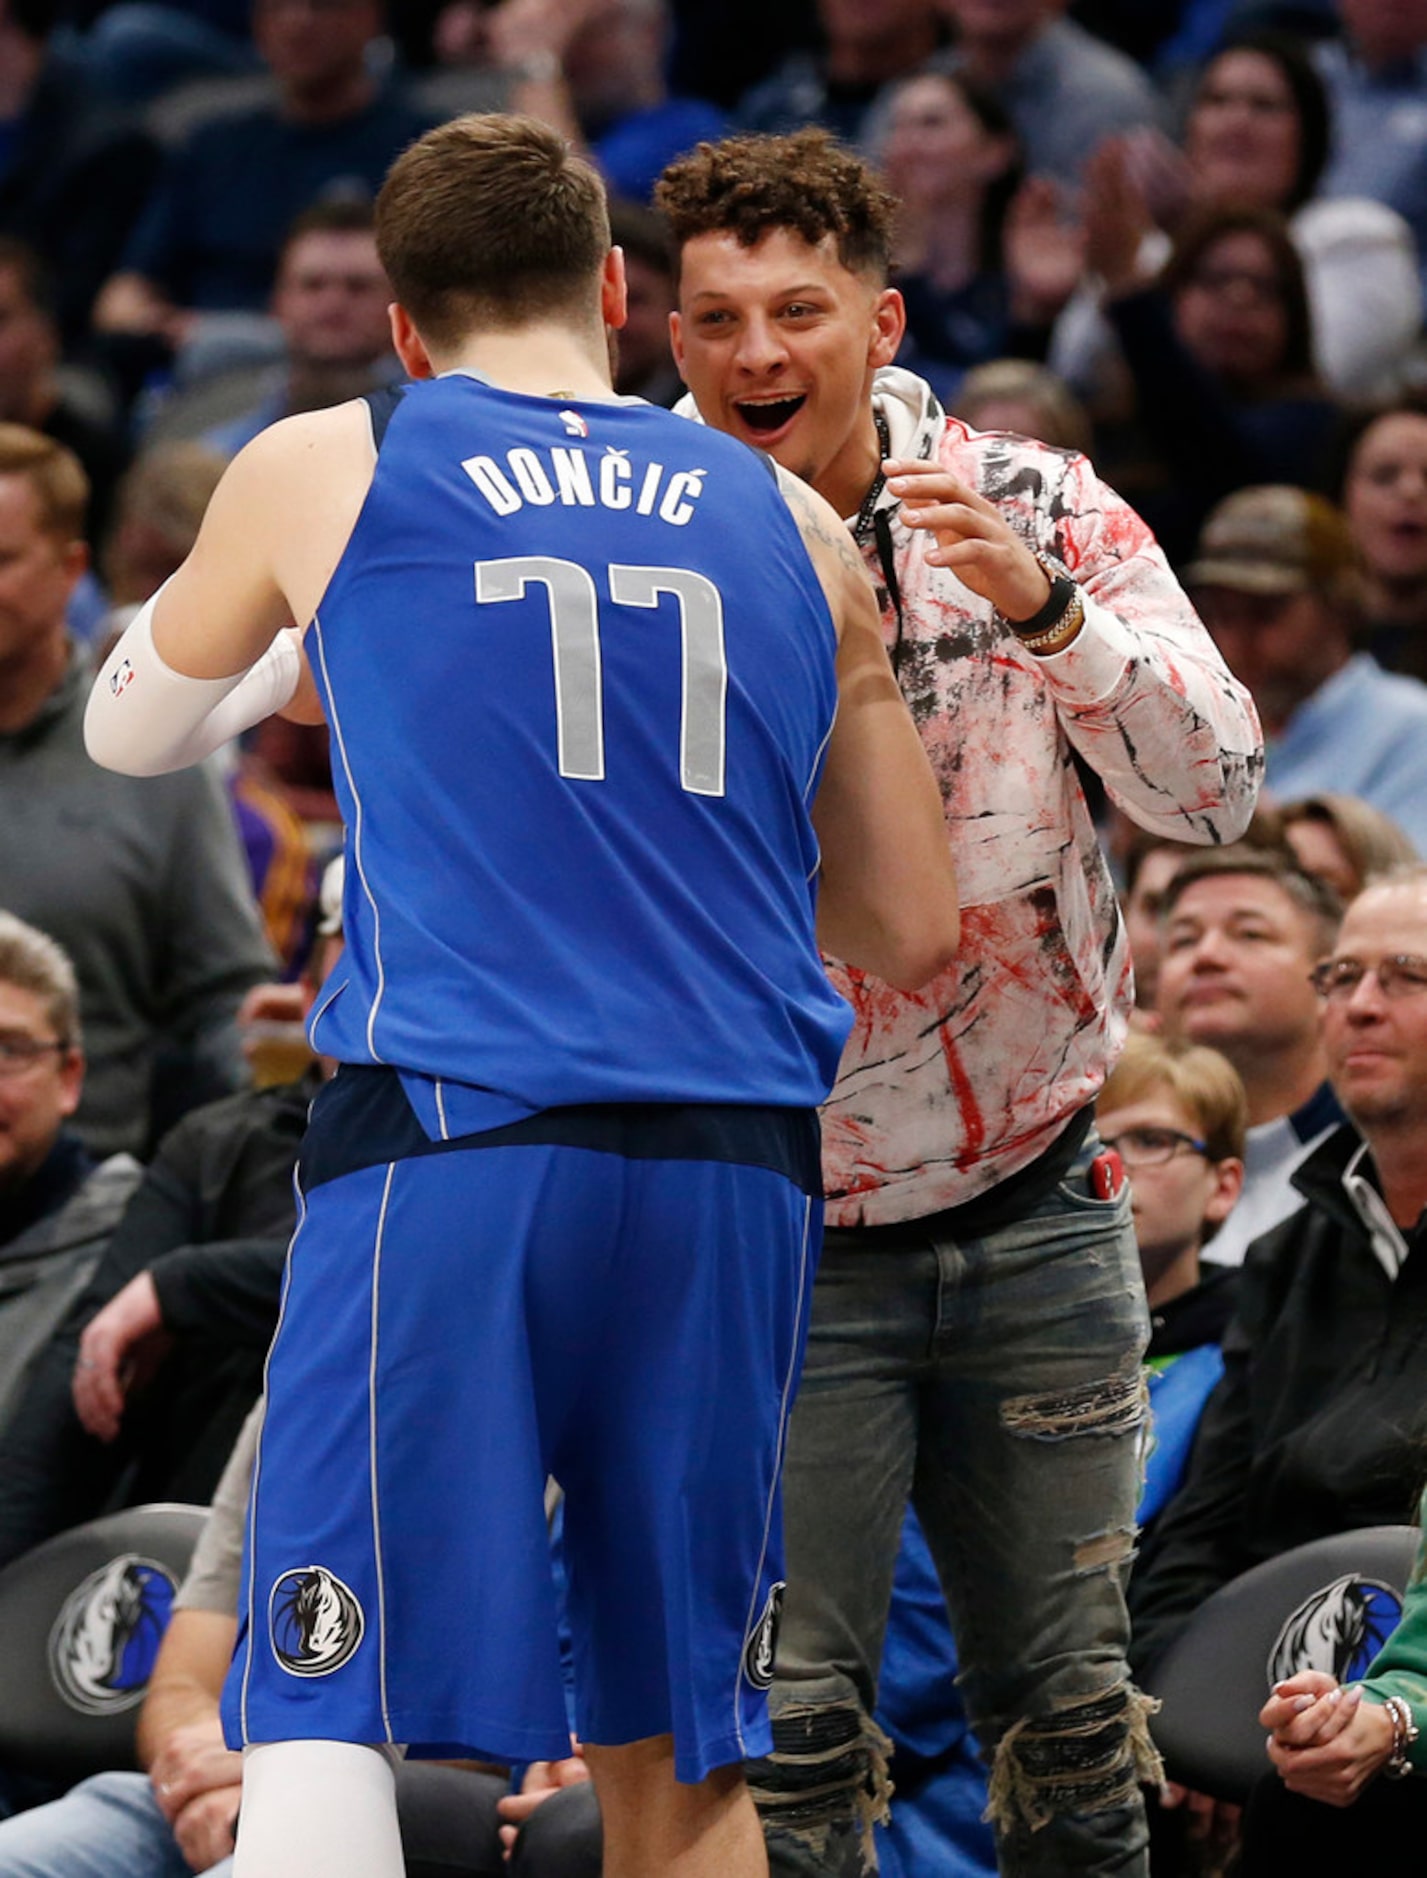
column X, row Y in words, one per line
column 81, row 1619
column 1326, row 1605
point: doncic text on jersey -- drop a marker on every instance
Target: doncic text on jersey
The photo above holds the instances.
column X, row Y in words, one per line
column 540, row 478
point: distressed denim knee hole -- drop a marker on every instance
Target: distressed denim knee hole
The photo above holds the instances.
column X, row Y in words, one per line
column 1088, row 1756
column 824, row 1787
column 1113, row 1405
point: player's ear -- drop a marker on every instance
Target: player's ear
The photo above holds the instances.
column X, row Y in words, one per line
column 889, row 323
column 614, row 290
column 408, row 344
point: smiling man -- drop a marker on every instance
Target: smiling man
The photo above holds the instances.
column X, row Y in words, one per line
column 1241, row 928
column 1317, row 1425
column 978, row 1319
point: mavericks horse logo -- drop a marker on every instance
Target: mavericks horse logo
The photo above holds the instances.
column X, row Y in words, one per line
column 315, row 1621
column 103, row 1644
column 762, row 1645
column 1339, row 1630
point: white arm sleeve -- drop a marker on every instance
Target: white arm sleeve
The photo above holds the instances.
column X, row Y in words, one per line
column 144, row 718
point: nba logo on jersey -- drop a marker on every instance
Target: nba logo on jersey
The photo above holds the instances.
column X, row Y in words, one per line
column 574, row 424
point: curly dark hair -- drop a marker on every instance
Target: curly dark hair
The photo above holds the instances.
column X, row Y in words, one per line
column 807, row 182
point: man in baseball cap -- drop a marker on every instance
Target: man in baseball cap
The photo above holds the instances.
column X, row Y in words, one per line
column 1276, row 580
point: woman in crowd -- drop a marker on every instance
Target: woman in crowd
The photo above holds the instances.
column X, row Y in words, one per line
column 1219, row 351
column 952, row 157
column 1257, row 136
column 1384, row 495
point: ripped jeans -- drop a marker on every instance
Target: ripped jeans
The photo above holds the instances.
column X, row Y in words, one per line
column 997, row 1382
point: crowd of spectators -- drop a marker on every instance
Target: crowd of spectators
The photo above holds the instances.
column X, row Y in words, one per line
column 1187, row 239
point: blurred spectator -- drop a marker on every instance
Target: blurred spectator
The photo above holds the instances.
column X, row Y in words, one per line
column 1257, row 136
column 1377, row 78
column 330, row 302
column 139, row 49
column 1176, row 1115
column 615, row 67
column 1384, row 496
column 644, row 363
column 210, row 235
column 1063, row 89
column 32, row 391
column 866, row 44
column 1241, row 931
column 1344, row 841
column 952, row 159
column 160, row 507
column 1150, row 864
column 57, row 1206
column 1219, row 352
column 141, row 881
column 1317, row 1426
column 722, row 52
column 1276, row 580
column 1029, row 399
column 601, row 66
column 73, row 172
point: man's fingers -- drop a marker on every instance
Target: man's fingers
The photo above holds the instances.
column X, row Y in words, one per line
column 516, row 1808
column 956, row 518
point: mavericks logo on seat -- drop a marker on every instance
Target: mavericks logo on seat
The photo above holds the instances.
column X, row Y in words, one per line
column 1339, row 1630
column 103, row 1644
column 315, row 1621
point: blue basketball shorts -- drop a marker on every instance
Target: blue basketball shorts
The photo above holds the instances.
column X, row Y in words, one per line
column 615, row 1296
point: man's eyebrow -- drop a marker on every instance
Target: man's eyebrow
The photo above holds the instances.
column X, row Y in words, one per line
column 798, row 289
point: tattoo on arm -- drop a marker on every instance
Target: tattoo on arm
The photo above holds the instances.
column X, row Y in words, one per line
column 819, row 526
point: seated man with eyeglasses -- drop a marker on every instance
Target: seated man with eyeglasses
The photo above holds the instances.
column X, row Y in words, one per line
column 57, row 1205
column 1318, row 1423
column 1176, row 1115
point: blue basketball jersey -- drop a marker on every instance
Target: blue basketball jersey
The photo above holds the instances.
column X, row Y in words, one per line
column 579, row 673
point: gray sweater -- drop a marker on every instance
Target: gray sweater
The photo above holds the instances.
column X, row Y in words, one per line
column 143, row 882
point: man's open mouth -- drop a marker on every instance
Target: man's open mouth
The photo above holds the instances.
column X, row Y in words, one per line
column 772, row 415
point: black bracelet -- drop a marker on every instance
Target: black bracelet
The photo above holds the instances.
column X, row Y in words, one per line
column 1062, row 592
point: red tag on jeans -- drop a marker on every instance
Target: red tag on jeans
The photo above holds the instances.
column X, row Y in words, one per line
column 1107, row 1175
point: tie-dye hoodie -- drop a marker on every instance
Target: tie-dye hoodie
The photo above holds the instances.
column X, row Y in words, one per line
column 948, row 1090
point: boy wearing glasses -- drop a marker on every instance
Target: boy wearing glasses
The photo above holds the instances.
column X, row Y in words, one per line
column 1176, row 1115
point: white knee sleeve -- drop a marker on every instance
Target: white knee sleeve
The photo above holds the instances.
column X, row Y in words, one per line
column 318, row 1809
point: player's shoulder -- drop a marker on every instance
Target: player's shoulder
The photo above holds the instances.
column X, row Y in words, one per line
column 312, row 443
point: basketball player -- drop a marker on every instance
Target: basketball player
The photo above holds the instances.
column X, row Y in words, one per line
column 581, row 662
